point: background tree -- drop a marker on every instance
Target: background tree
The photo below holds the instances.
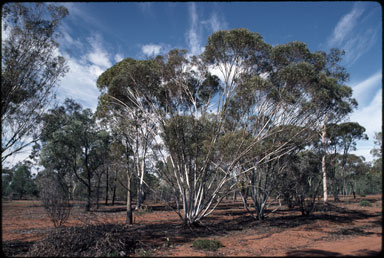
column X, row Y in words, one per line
column 371, row 182
column 103, row 140
column 377, row 153
column 307, row 181
column 355, row 168
column 54, row 154
column 343, row 137
column 6, row 179
column 22, row 183
column 30, row 70
column 70, row 145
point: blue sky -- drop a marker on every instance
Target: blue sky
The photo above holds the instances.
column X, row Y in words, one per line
column 97, row 35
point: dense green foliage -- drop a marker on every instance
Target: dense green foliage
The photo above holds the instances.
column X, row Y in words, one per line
column 18, row 181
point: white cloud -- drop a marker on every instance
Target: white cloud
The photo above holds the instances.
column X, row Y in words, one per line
column 67, row 39
column 80, row 83
column 98, row 55
column 215, row 23
column 151, row 49
column 362, row 91
column 118, row 58
column 356, row 46
column 370, row 117
column 345, row 26
column 349, row 35
column 194, row 33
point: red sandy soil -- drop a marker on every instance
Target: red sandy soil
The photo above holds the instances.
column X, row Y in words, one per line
column 344, row 229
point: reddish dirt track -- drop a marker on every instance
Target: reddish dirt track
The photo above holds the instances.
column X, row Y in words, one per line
column 343, row 229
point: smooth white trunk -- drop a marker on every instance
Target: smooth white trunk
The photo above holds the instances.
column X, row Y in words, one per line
column 323, row 166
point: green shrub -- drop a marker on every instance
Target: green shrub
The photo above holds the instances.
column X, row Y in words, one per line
column 365, row 203
column 206, row 244
column 113, row 254
column 362, row 195
column 143, row 210
column 144, row 253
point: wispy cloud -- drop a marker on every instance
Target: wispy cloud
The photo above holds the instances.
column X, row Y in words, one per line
column 194, row 32
column 368, row 93
column 345, row 26
column 198, row 26
column 356, row 46
column 151, row 49
column 349, row 35
column 370, row 117
column 363, row 91
column 98, row 56
column 215, row 22
column 146, row 8
column 118, row 57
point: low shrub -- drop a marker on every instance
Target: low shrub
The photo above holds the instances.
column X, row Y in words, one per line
column 143, row 210
column 92, row 240
column 144, row 253
column 365, row 203
column 207, row 244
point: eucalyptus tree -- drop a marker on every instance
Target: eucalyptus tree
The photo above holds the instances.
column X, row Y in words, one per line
column 340, row 102
column 343, row 137
column 102, row 148
column 60, row 159
column 255, row 91
column 30, row 70
column 125, row 88
column 307, row 180
column 22, row 182
column 265, row 178
column 72, row 145
column 274, row 88
column 355, row 169
column 377, row 153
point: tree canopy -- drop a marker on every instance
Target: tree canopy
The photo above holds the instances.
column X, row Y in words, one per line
column 30, row 70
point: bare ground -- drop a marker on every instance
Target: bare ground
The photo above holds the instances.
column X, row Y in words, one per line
column 336, row 229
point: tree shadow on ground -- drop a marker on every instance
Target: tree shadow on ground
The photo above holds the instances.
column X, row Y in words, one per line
column 312, row 252
column 150, row 236
column 14, row 248
column 322, row 253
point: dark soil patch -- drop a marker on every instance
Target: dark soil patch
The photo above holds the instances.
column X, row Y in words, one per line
column 16, row 248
